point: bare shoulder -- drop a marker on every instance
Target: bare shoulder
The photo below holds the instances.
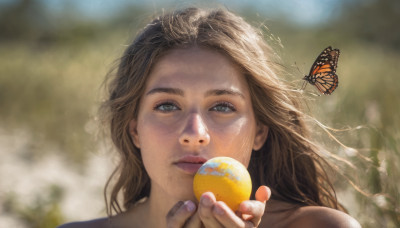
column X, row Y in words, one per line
column 98, row 223
column 315, row 216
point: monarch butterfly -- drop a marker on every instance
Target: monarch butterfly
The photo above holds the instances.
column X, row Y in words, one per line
column 323, row 71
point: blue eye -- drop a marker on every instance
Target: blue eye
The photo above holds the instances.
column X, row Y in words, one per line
column 166, row 107
column 224, row 107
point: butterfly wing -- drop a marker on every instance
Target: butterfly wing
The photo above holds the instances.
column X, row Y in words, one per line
column 323, row 71
column 326, row 82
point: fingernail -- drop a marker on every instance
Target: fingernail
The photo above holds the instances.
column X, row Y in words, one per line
column 206, row 201
column 189, row 206
column 269, row 193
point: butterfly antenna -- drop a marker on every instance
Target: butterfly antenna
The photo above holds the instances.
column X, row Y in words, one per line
column 304, row 85
column 297, row 67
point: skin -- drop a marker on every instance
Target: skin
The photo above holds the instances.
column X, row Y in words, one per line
column 197, row 104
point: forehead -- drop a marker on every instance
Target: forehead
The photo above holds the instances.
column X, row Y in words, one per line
column 196, row 65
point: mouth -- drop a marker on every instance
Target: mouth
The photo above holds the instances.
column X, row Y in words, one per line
column 190, row 164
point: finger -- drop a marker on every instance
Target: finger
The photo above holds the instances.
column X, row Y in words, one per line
column 175, row 208
column 180, row 213
column 193, row 222
column 205, row 210
column 263, row 194
column 253, row 210
column 227, row 217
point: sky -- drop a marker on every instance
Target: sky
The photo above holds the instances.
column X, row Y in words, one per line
column 303, row 12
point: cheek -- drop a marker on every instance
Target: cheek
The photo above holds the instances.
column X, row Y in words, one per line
column 155, row 138
column 154, row 150
column 237, row 140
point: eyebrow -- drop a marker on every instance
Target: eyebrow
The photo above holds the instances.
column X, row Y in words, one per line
column 214, row 92
column 166, row 90
column 220, row 92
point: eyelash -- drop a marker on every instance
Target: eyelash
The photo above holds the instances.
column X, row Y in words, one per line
column 166, row 103
column 175, row 107
column 224, row 105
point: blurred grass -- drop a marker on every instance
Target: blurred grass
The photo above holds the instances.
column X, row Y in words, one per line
column 50, row 87
column 54, row 90
column 364, row 108
column 44, row 213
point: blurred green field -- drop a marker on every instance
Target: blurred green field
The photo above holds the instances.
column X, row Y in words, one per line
column 51, row 86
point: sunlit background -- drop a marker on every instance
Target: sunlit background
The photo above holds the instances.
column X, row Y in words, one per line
column 54, row 55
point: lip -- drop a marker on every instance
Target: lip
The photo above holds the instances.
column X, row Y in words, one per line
column 190, row 164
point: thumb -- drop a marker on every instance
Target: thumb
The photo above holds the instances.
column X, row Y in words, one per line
column 263, row 194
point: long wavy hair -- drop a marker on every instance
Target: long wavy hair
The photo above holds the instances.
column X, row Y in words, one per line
column 288, row 162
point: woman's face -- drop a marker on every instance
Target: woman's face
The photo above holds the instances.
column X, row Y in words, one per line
column 196, row 106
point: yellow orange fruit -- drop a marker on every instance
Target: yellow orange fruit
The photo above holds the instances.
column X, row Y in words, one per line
column 227, row 178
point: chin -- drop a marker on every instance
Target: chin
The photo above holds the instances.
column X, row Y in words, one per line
column 183, row 192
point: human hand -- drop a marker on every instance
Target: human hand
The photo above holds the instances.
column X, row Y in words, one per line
column 211, row 213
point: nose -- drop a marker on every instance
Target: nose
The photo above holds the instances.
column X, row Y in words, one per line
column 195, row 132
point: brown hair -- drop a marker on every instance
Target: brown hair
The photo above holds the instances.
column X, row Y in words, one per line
column 288, row 162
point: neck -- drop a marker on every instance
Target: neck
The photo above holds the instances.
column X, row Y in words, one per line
column 155, row 208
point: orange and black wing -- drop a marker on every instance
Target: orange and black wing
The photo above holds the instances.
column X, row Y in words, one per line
column 323, row 71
